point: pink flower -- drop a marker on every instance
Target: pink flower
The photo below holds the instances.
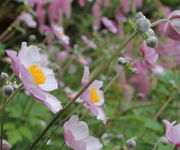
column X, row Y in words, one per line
column 172, row 28
column 36, row 77
column 28, row 19
column 149, row 54
column 141, row 79
column 138, row 3
column 93, row 97
column 110, row 25
column 81, row 3
column 172, row 132
column 125, row 5
column 59, row 33
column 88, row 42
column 76, row 135
column 5, row 145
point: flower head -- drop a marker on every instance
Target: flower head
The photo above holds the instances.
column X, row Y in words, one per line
column 76, row 134
column 172, row 28
column 36, row 77
column 93, row 96
column 172, row 132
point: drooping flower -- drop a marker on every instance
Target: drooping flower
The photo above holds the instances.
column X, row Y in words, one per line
column 149, row 54
column 28, row 19
column 59, row 33
column 88, row 42
column 172, row 132
column 93, row 97
column 76, row 134
column 36, row 77
column 172, row 28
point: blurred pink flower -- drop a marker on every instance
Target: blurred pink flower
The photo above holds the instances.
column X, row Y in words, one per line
column 36, row 77
column 138, row 3
column 172, row 28
column 96, row 10
column 6, row 145
column 81, row 3
column 59, row 8
column 88, row 42
column 110, row 25
column 93, row 97
column 149, row 54
column 125, row 5
column 76, row 135
column 28, row 19
column 172, row 132
column 59, row 33
column 141, row 79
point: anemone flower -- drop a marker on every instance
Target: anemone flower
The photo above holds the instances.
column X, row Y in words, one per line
column 76, row 134
column 172, row 132
column 36, row 77
column 93, row 97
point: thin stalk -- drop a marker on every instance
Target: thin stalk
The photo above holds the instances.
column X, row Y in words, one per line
column 159, row 22
column 2, row 120
column 164, row 106
column 111, row 82
column 95, row 76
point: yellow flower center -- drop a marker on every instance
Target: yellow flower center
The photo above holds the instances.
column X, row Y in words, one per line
column 37, row 74
column 61, row 33
column 94, row 95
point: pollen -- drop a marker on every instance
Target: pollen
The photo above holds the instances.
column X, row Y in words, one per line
column 38, row 74
column 94, row 95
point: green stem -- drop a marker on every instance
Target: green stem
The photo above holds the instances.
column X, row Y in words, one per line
column 158, row 22
column 111, row 82
column 2, row 120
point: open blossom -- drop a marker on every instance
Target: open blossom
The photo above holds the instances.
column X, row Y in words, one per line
column 172, row 28
column 28, row 19
column 76, row 134
column 109, row 24
column 88, row 42
column 172, row 132
column 93, row 97
column 149, row 54
column 36, row 77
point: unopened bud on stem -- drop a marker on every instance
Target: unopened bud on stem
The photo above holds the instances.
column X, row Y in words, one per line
column 4, row 76
column 142, row 25
column 8, row 90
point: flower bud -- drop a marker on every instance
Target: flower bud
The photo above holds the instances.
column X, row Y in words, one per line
column 139, row 15
column 172, row 28
column 123, row 61
column 152, row 42
column 8, row 90
column 4, row 76
column 131, row 143
column 150, row 32
column 142, row 25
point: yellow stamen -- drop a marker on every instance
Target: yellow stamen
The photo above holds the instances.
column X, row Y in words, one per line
column 37, row 74
column 94, row 95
